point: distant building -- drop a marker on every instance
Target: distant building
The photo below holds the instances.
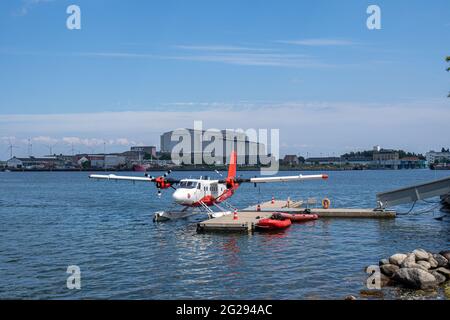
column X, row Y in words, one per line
column 108, row 161
column 323, row 160
column 35, row 163
column 385, row 154
column 385, row 159
column 291, row 160
column 437, row 157
column 247, row 150
column 411, row 163
column 145, row 150
column 356, row 160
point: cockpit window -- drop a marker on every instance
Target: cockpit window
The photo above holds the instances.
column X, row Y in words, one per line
column 188, row 184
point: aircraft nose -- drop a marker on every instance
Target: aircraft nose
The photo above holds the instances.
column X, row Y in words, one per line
column 178, row 196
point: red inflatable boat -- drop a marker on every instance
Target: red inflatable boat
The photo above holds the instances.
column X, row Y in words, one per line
column 299, row 217
column 276, row 221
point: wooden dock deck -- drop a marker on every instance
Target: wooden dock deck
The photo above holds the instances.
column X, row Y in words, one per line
column 249, row 217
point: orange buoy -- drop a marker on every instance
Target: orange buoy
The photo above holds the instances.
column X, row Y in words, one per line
column 326, row 203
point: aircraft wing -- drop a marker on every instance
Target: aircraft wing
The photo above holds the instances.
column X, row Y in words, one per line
column 126, row 178
column 299, row 177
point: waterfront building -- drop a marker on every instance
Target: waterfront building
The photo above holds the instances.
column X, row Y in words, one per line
column 291, row 160
column 385, row 158
column 151, row 150
column 357, row 160
column 35, row 163
column 323, row 160
column 437, row 157
column 412, row 163
column 106, row 161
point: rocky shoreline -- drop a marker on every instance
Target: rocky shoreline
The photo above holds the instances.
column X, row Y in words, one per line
column 420, row 269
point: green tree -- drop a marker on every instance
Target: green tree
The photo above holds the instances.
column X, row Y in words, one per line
column 165, row 156
column 148, row 156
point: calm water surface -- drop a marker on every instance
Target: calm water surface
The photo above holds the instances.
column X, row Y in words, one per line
column 51, row 220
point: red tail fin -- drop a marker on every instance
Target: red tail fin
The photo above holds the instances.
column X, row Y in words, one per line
column 232, row 166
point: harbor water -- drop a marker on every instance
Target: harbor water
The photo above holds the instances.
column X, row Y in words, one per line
column 50, row 220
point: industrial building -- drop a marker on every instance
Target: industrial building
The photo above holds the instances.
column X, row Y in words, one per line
column 249, row 152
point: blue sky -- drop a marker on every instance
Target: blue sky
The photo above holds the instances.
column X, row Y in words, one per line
column 310, row 68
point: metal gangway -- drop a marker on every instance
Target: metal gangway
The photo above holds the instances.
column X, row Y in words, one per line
column 412, row 194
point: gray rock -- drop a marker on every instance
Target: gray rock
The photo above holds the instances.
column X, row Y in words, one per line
column 444, row 271
column 383, row 262
column 397, row 258
column 409, row 261
column 445, row 254
column 424, row 264
column 415, row 278
column 421, row 254
column 440, row 278
column 389, row 269
column 414, row 265
column 440, row 259
column 433, row 262
column 385, row 280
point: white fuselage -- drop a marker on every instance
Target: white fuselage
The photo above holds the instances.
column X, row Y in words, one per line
column 191, row 191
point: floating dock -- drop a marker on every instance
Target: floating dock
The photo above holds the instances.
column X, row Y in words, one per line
column 249, row 217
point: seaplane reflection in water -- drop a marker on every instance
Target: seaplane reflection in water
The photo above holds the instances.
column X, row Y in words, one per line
column 203, row 194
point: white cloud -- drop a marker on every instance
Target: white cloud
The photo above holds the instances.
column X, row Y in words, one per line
column 318, row 42
column 252, row 59
column 45, row 140
column 236, row 58
column 27, row 5
column 220, row 48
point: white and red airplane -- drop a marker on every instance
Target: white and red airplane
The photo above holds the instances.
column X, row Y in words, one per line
column 203, row 193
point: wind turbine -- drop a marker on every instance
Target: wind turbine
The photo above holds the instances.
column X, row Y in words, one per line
column 10, row 148
column 50, row 148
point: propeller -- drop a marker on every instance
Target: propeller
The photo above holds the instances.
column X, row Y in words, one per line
column 162, row 182
column 167, row 173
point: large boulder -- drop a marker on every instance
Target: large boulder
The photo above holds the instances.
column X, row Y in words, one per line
column 421, row 254
column 383, row 262
column 397, row 258
column 424, row 264
column 445, row 254
column 385, row 280
column 415, row 278
column 440, row 278
column 440, row 259
column 414, row 265
column 444, row 271
column 409, row 261
column 433, row 262
column 389, row 269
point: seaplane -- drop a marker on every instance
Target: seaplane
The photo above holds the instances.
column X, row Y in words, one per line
column 203, row 194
